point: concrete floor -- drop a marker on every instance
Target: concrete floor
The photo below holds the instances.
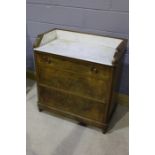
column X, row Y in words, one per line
column 51, row 135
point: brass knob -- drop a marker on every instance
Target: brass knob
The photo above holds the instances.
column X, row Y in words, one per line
column 47, row 60
column 94, row 69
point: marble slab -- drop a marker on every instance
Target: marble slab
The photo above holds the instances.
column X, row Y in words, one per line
column 87, row 47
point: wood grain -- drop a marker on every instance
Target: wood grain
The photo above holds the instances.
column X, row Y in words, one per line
column 70, row 103
column 78, row 89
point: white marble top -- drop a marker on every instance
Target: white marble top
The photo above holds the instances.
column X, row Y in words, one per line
column 91, row 48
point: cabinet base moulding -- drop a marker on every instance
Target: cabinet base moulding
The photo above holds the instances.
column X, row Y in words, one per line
column 79, row 119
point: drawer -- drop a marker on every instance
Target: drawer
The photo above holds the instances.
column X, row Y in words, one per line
column 74, row 83
column 77, row 66
column 71, row 103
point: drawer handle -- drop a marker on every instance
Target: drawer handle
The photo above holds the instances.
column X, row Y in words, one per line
column 47, row 60
column 94, row 70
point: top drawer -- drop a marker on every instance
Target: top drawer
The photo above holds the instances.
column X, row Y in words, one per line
column 73, row 65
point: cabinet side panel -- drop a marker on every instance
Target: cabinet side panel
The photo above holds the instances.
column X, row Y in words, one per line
column 117, row 70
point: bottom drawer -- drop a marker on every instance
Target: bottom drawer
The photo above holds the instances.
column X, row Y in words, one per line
column 70, row 103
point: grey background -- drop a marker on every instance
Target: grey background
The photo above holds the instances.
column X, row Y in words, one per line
column 104, row 17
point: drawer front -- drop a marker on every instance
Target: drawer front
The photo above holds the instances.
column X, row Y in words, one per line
column 71, row 103
column 71, row 82
column 77, row 66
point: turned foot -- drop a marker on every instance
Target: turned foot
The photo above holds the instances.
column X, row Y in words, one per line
column 40, row 110
column 104, row 130
column 82, row 124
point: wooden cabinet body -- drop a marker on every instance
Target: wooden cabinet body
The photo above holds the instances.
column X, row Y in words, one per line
column 76, row 88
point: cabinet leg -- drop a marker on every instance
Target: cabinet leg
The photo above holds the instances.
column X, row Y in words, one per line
column 82, row 124
column 104, row 130
column 40, row 110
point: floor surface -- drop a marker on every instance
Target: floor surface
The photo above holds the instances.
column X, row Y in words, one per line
column 51, row 135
